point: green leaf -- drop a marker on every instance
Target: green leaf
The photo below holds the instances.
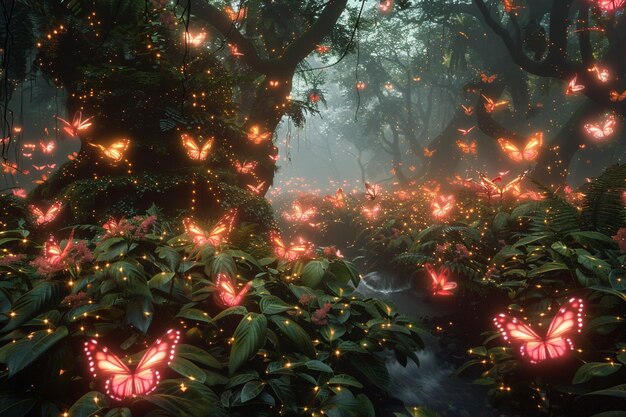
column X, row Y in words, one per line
column 273, row 305
column 171, row 256
column 187, row 369
column 89, row 404
column 249, row 337
column 344, row 379
column 15, row 405
column 611, row 291
column 223, row 263
column 196, row 400
column 593, row 370
column 603, row 322
column 139, row 313
column 24, row 351
column 313, row 273
column 618, row 391
column 44, row 296
column 195, row 314
column 251, row 390
column 296, row 334
column 119, row 412
column 197, row 355
column 547, row 267
column 237, row 311
column 316, row 365
column 161, row 279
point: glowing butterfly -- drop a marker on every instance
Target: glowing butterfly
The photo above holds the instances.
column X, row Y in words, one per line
column 338, row 200
column 615, row 96
column 257, row 136
column 467, row 147
column 360, row 85
column 194, row 150
column 442, row 205
column 488, row 78
column 428, row 153
column 572, row 87
column 491, row 105
column 19, row 192
column 299, row 215
column 465, row 132
column 115, row 152
column 322, row 49
column 195, row 39
column 226, row 291
column 11, row 168
column 218, row 233
column 468, row 110
column 234, row 50
column 245, row 167
column 610, row 5
column 509, row 6
column 123, row 383
column 256, row 189
column 53, row 252
column 274, row 83
column 441, row 285
column 432, row 192
column 236, row 15
column 43, row 217
column 529, row 152
column 602, row 74
column 27, row 155
column 385, row 6
column 289, row 254
column 72, row 156
column 47, row 148
column 78, row 124
column 371, row 191
column 43, row 179
column 371, row 213
column 39, row 167
column 490, row 186
column 603, row 130
column 113, row 226
column 556, row 341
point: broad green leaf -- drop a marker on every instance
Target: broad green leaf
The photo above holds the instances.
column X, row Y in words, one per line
column 296, row 334
column 44, row 296
column 195, row 314
column 197, row 355
column 547, row 267
column 313, row 273
column 89, row 404
column 593, row 370
column 223, row 263
column 273, row 305
column 316, row 365
column 16, row 404
column 248, row 338
column 251, row 390
column 161, row 279
column 25, row 351
column 139, row 313
column 344, row 379
column 185, row 398
column 188, row 369
column 618, row 391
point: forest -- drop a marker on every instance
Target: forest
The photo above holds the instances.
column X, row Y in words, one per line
column 323, row 208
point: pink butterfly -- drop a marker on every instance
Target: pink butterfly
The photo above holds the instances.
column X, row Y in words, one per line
column 256, row 189
column 48, row 147
column 385, row 6
column 77, row 124
column 227, row 294
column 371, row 213
column 371, row 191
column 53, row 252
column 464, row 132
column 556, row 341
column 292, row 253
column 572, row 87
column 601, row 131
column 299, row 215
column 123, row 383
column 49, row 215
column 609, row 5
column 218, row 233
column 442, row 205
column 245, row 167
column 19, row 192
column 441, row 286
column 601, row 73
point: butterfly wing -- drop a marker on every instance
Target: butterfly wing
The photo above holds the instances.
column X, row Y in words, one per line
column 206, row 149
column 194, row 232
column 191, row 146
column 518, row 333
column 221, row 228
column 52, row 212
column 512, row 151
column 531, row 150
column 567, row 320
column 228, row 295
column 101, row 362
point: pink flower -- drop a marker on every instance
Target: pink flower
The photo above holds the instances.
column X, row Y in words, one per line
column 76, row 300
column 11, row 259
column 332, row 252
column 620, row 238
column 319, row 317
column 305, row 299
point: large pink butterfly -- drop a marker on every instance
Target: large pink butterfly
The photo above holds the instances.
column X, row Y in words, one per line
column 602, row 130
column 441, row 286
column 556, row 341
column 121, row 381
column 216, row 236
column 298, row 214
column 49, row 215
column 226, row 291
column 53, row 252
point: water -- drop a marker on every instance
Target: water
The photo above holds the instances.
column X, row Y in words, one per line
column 432, row 383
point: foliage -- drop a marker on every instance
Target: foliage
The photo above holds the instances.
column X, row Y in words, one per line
column 288, row 346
